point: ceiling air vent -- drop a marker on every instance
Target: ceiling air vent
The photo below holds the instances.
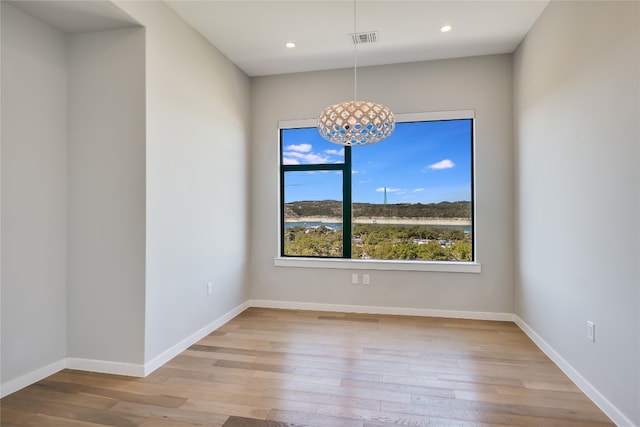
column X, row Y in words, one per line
column 365, row 38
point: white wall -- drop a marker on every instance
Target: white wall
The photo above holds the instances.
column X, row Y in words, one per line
column 34, row 194
column 180, row 209
column 197, row 179
column 147, row 130
column 577, row 163
column 481, row 83
column 106, row 290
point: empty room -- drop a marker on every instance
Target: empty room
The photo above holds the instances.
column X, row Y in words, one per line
column 364, row 213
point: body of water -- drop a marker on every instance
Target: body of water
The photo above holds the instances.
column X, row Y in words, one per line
column 338, row 226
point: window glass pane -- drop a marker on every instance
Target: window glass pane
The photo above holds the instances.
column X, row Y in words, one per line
column 313, row 213
column 412, row 194
column 305, row 146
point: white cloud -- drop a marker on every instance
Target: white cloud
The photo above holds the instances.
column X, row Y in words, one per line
column 389, row 190
column 306, row 158
column 289, row 161
column 418, row 189
column 442, row 164
column 301, row 148
column 335, row 152
column 296, row 154
column 315, row 158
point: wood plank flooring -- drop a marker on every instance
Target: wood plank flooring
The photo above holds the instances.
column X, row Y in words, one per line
column 303, row 368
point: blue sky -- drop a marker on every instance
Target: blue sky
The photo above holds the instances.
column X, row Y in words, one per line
column 421, row 162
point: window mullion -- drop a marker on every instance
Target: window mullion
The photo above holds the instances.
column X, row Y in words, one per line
column 346, row 204
column 313, row 167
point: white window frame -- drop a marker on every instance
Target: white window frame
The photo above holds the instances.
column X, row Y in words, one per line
column 397, row 265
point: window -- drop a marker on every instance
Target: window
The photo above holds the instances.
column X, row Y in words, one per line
column 407, row 198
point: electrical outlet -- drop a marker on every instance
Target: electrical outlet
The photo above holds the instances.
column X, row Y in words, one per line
column 365, row 279
column 209, row 288
column 354, row 279
column 591, row 330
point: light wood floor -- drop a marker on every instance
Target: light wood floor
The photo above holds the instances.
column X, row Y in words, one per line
column 306, row 368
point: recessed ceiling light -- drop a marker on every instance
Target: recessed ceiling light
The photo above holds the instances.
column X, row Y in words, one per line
column 446, row 28
column 290, row 45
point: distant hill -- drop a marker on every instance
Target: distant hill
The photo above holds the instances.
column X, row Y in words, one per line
column 333, row 208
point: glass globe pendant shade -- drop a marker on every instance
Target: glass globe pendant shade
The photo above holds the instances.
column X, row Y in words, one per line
column 356, row 123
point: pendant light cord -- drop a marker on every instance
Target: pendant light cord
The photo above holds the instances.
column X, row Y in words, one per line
column 355, row 55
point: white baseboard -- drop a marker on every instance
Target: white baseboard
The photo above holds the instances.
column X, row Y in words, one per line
column 32, row 377
column 136, row 370
column 131, row 369
column 117, row 368
column 178, row 348
column 106, row 367
column 587, row 388
column 424, row 312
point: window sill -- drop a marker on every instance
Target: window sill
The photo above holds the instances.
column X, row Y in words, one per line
column 356, row 264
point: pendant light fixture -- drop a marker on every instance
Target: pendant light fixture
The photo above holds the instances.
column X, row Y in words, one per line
column 356, row 122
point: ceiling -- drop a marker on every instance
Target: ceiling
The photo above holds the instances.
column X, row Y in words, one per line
column 252, row 34
column 72, row 16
